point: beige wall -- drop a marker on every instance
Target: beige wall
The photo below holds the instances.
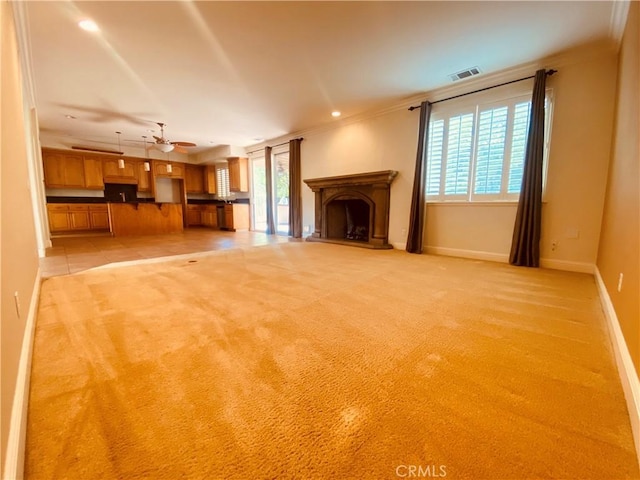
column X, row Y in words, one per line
column 18, row 250
column 620, row 238
column 584, row 91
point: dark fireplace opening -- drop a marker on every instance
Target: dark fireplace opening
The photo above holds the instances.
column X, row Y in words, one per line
column 348, row 220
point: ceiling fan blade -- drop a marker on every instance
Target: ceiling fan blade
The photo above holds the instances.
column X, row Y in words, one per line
column 184, row 144
column 180, row 149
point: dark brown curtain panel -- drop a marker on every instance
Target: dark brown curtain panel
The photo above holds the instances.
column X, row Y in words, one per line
column 295, row 189
column 416, row 218
column 271, row 224
column 525, row 246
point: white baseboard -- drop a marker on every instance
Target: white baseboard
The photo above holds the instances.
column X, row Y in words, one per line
column 504, row 258
column 567, row 266
column 14, row 456
column 474, row 254
column 399, row 245
column 626, row 368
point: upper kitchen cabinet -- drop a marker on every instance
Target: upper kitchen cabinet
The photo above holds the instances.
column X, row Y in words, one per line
column 114, row 174
column 161, row 169
column 210, row 179
column 194, row 179
column 144, row 178
column 238, row 174
column 93, row 177
column 63, row 169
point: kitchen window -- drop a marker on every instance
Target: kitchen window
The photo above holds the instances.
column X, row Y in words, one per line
column 476, row 153
column 222, row 180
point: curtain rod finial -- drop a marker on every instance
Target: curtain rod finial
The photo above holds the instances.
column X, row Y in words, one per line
column 551, row 72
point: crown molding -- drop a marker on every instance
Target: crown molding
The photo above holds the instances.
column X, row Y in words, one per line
column 20, row 15
column 618, row 21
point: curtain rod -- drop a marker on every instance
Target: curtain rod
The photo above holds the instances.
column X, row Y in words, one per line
column 274, row 146
column 548, row 72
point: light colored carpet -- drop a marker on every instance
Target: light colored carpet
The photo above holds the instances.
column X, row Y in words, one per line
column 321, row 361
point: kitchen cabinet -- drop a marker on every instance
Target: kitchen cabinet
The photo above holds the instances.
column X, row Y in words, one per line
column 210, row 179
column 194, row 215
column 144, row 178
column 160, row 169
column 194, row 178
column 98, row 217
column 236, row 217
column 210, row 216
column 93, row 176
column 65, row 217
column 63, row 170
column 238, row 174
column 112, row 172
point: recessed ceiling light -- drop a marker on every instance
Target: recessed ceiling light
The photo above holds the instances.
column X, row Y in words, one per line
column 335, row 113
column 70, row 117
column 88, row 25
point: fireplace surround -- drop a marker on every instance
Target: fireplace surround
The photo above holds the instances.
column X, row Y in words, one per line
column 353, row 209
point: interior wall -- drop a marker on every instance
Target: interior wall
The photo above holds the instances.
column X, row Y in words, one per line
column 620, row 237
column 18, row 248
column 584, row 91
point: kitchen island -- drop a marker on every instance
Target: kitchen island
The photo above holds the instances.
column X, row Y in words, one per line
column 145, row 218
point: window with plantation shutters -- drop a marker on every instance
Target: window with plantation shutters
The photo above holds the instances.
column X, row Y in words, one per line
column 476, row 153
column 222, row 180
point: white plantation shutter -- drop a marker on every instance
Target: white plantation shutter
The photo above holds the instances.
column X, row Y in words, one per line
column 478, row 155
column 434, row 156
column 458, row 154
column 518, row 145
column 222, row 179
column 492, row 132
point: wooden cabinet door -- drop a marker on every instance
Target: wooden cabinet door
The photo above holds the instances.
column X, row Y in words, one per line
column 111, row 168
column 160, row 168
column 210, row 179
column 194, row 215
column 177, row 170
column 58, row 217
column 63, row 170
column 228, row 216
column 79, row 217
column 194, row 179
column 93, row 177
column 144, row 178
column 238, row 174
column 99, row 219
column 53, row 164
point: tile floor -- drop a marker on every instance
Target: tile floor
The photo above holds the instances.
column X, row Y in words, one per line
column 77, row 253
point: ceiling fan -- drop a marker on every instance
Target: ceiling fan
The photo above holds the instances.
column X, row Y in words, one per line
column 166, row 146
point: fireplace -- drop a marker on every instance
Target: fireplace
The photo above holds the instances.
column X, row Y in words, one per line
column 353, row 209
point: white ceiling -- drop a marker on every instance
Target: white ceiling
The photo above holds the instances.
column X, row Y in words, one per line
column 233, row 73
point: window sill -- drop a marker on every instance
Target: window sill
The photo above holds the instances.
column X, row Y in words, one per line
column 466, row 203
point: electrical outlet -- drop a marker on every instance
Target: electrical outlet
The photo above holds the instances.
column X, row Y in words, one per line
column 554, row 245
column 620, row 278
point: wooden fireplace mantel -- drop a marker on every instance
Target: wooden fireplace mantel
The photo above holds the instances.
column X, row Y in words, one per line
column 370, row 190
column 369, row 178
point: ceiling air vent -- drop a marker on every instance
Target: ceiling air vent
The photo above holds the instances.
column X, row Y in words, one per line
column 469, row 72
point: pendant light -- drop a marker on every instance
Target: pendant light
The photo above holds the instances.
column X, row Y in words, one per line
column 147, row 165
column 120, row 160
column 169, row 167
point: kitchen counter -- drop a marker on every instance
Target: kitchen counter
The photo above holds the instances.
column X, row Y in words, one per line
column 145, row 218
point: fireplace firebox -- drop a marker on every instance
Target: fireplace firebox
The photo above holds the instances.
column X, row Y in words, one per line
column 353, row 209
